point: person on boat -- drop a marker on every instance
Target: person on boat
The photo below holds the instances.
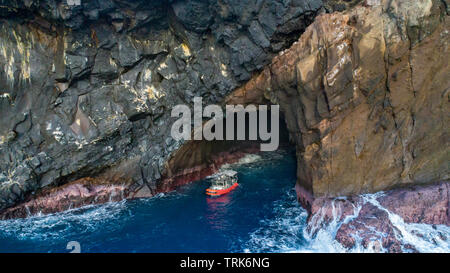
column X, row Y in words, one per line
column 223, row 183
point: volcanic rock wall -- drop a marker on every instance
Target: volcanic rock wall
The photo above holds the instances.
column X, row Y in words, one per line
column 86, row 91
column 366, row 98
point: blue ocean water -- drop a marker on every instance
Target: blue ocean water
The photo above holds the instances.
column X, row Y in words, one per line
column 261, row 215
column 185, row 220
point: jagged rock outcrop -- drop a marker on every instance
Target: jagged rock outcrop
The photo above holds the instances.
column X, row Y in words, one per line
column 87, row 87
column 383, row 222
column 365, row 94
column 86, row 92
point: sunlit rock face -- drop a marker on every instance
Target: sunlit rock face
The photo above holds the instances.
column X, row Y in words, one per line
column 365, row 94
column 86, row 90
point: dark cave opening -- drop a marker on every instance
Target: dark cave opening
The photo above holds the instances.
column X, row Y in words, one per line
column 197, row 159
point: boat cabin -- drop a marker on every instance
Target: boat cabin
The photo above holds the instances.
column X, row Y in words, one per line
column 224, row 180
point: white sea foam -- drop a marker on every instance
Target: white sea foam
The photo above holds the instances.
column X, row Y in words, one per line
column 423, row 237
column 42, row 227
column 284, row 232
column 290, row 232
column 247, row 159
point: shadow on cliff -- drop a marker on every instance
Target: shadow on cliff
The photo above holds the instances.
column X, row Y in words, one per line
column 200, row 158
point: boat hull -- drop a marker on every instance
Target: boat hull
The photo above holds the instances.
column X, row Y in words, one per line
column 212, row 192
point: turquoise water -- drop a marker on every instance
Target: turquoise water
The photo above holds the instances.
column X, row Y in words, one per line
column 185, row 220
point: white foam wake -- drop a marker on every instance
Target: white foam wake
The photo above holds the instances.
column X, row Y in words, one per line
column 247, row 159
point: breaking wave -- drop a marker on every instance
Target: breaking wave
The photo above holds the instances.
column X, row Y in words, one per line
column 44, row 227
column 161, row 223
column 423, row 237
column 290, row 231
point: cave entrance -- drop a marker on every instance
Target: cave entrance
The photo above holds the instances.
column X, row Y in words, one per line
column 197, row 159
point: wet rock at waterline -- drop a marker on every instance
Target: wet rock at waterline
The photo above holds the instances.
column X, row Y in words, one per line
column 114, row 186
column 86, row 94
column 86, row 91
column 390, row 221
column 365, row 98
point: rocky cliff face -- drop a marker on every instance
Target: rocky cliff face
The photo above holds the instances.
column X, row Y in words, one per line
column 366, row 98
column 387, row 221
column 86, row 90
column 86, row 93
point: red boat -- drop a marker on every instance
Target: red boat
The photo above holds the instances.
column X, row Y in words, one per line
column 223, row 183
